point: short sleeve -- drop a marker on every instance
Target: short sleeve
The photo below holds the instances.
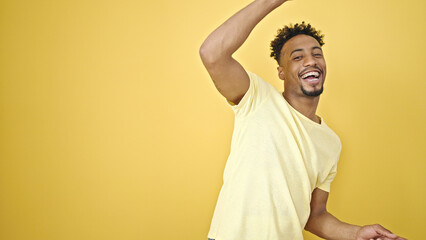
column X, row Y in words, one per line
column 257, row 93
column 325, row 185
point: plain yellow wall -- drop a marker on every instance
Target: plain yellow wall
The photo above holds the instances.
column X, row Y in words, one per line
column 110, row 127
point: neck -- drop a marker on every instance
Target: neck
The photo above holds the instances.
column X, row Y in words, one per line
column 305, row 105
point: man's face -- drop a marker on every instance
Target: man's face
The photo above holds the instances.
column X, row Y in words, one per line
column 302, row 66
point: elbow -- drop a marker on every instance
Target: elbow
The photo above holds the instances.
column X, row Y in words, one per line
column 311, row 226
column 207, row 54
column 315, row 219
column 204, row 53
column 213, row 52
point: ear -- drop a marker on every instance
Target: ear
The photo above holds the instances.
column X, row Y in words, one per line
column 280, row 72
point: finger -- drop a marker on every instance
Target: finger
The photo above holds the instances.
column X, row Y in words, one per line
column 401, row 238
column 383, row 231
column 386, row 238
column 397, row 238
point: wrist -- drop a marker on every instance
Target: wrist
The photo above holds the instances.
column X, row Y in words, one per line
column 357, row 230
column 272, row 3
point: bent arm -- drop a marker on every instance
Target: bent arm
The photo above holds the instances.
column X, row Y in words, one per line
column 228, row 75
column 325, row 225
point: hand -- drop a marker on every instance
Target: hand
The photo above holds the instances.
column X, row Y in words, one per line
column 376, row 232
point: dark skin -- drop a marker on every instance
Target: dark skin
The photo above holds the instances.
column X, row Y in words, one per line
column 299, row 55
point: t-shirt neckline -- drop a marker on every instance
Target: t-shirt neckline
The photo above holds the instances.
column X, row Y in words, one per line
column 303, row 116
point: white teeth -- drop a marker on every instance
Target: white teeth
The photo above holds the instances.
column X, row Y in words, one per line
column 315, row 74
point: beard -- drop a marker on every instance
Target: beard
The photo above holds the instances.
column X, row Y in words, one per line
column 314, row 93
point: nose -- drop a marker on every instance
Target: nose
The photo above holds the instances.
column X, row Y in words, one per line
column 309, row 61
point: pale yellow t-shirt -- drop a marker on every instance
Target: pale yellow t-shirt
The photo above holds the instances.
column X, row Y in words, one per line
column 278, row 157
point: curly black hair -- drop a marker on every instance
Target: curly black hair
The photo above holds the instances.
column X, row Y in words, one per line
column 287, row 32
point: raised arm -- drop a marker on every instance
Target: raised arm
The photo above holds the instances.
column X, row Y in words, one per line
column 229, row 77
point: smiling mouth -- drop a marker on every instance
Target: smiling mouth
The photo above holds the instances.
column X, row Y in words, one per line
column 311, row 76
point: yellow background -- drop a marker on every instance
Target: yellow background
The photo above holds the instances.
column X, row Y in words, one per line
column 110, row 127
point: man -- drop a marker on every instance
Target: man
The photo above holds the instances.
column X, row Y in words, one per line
column 283, row 156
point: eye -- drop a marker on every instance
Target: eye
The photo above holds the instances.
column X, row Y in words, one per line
column 297, row 58
column 317, row 55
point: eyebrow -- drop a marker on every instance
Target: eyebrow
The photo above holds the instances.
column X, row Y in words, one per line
column 299, row 49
